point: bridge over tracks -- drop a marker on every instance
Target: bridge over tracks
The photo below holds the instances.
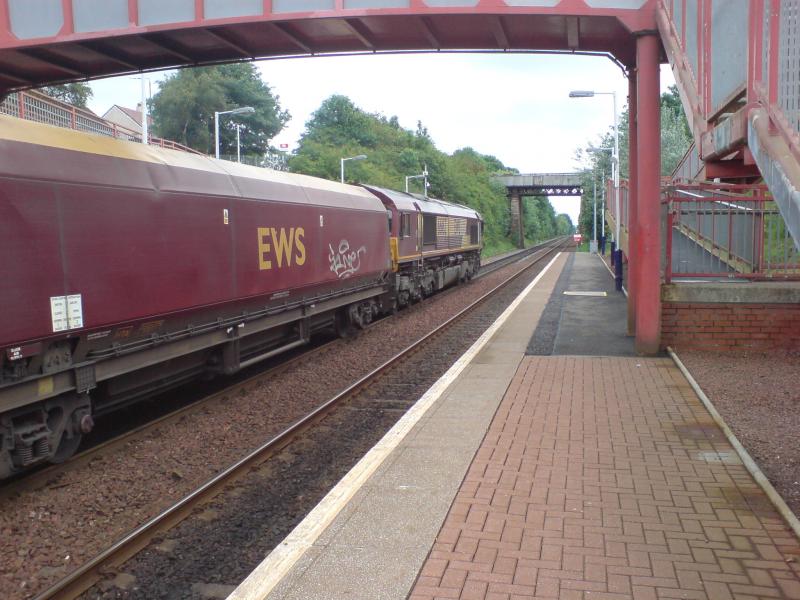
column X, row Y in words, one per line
column 535, row 184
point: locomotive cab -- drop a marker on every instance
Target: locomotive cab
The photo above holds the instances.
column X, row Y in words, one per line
column 434, row 243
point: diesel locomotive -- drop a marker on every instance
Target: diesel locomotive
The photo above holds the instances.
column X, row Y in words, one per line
column 130, row 269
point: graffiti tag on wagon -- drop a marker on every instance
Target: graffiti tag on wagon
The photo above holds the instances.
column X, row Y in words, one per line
column 344, row 261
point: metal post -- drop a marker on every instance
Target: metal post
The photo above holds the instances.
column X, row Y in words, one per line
column 145, row 132
column 341, row 173
column 648, row 295
column 593, row 245
column 216, row 134
column 603, row 205
column 238, row 144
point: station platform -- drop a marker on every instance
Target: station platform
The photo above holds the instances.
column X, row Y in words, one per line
column 549, row 462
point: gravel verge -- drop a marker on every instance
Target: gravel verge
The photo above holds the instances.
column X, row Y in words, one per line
column 49, row 530
column 758, row 396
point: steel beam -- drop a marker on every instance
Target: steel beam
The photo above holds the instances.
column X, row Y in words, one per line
column 517, row 220
column 227, row 39
column 726, row 137
column 648, row 196
column 499, row 32
column 357, row 28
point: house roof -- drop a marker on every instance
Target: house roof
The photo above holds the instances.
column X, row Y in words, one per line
column 134, row 114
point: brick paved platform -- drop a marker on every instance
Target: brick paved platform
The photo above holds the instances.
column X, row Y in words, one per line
column 605, row 478
column 566, row 476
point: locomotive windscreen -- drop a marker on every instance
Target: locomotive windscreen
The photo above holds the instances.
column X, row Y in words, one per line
column 428, row 229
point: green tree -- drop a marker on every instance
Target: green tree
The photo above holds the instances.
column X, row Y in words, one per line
column 564, row 225
column 183, row 109
column 339, row 128
column 77, row 94
column 675, row 141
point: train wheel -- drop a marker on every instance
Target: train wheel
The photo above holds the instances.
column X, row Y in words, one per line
column 67, row 446
column 344, row 328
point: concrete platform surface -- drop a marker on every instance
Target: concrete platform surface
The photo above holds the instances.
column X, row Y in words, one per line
column 585, row 315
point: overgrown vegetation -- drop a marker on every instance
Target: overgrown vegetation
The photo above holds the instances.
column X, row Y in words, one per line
column 341, row 129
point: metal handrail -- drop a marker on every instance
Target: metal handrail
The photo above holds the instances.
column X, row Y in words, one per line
column 727, row 231
column 41, row 108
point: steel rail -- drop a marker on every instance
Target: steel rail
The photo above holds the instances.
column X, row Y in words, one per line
column 80, row 580
column 27, row 481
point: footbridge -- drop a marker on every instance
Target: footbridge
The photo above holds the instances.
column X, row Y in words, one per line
column 735, row 64
column 535, row 184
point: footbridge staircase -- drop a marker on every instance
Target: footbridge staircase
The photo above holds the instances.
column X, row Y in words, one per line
column 737, row 65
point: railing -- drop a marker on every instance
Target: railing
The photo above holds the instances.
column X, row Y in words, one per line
column 277, row 161
column 41, row 108
column 736, row 64
column 689, row 168
column 727, row 231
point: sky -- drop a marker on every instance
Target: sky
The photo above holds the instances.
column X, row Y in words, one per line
column 513, row 106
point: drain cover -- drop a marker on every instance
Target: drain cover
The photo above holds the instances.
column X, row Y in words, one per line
column 596, row 294
column 728, row 458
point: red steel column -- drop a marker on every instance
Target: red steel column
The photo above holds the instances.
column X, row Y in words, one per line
column 648, row 190
column 633, row 200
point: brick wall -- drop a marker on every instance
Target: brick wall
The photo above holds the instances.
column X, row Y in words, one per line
column 730, row 326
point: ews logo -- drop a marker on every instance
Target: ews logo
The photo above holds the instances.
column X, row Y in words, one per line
column 281, row 245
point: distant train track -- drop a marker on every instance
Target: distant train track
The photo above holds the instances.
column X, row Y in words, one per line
column 92, row 571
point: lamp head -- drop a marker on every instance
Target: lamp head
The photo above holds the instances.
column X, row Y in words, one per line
column 242, row 110
column 581, row 94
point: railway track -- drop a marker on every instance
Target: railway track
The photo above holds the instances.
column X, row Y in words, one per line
column 40, row 476
column 91, row 572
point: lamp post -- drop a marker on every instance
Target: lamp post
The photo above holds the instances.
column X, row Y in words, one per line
column 235, row 111
column 145, row 124
column 343, row 160
column 615, row 175
column 424, row 177
column 603, row 211
column 593, row 243
column 238, row 143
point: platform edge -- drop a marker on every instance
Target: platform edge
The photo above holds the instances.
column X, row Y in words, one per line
column 277, row 564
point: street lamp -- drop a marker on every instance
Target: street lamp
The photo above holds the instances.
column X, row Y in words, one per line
column 235, row 111
column 238, row 143
column 424, row 177
column 343, row 160
column 145, row 124
column 615, row 171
